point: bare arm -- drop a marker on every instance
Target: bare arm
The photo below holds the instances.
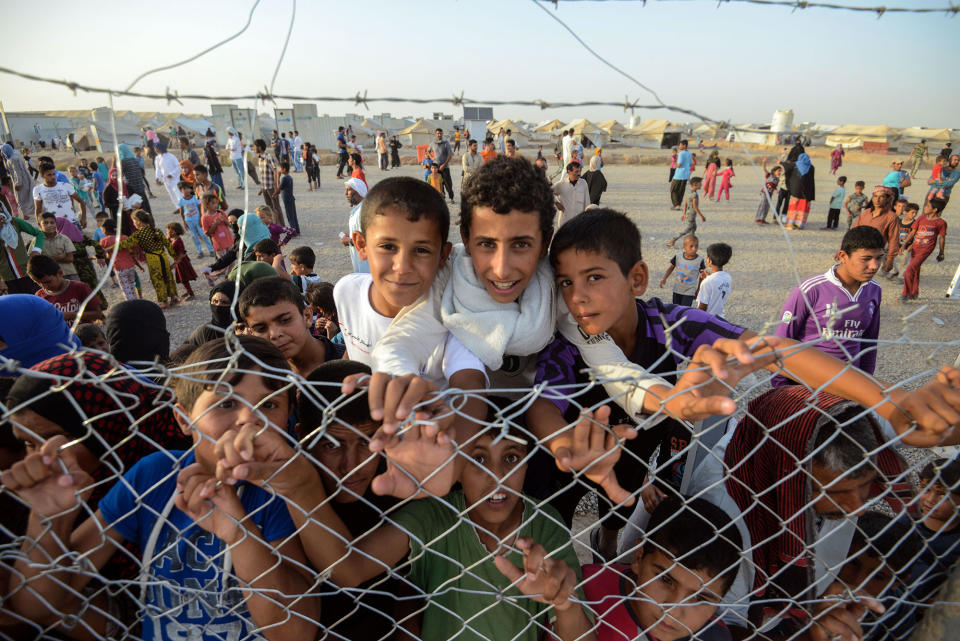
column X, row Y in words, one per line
column 666, row 275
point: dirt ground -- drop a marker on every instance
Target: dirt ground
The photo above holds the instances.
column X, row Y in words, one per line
column 767, row 261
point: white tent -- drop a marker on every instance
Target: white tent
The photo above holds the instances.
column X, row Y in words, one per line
column 419, row 133
column 518, row 133
column 613, row 128
column 594, row 134
column 653, row 133
column 857, row 136
column 911, row 137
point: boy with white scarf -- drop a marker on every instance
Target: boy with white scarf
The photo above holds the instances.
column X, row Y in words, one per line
column 497, row 297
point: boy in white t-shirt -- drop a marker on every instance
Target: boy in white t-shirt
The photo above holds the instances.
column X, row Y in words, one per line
column 403, row 232
column 55, row 197
column 715, row 288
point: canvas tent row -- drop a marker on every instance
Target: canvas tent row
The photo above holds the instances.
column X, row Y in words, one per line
column 518, row 132
column 859, row 136
column 911, row 137
column 653, row 133
column 419, row 133
column 613, row 128
column 594, row 134
column 547, row 130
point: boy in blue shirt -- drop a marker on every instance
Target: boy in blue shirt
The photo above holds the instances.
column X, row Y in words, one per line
column 188, row 207
column 215, row 557
column 836, row 203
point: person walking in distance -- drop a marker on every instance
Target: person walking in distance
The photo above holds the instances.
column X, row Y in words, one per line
column 681, row 175
column 269, row 179
column 442, row 155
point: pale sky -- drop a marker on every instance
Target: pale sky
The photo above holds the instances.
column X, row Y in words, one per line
column 738, row 62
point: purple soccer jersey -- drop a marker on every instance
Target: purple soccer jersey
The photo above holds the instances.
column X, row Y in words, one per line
column 847, row 325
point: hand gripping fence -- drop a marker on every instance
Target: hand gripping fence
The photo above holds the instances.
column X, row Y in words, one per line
column 779, row 520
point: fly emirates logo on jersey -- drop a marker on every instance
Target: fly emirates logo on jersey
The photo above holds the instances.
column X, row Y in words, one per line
column 840, row 327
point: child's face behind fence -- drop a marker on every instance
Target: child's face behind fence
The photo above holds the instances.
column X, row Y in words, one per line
column 493, row 479
column 33, row 429
column 404, row 257
column 348, row 466
column 505, row 250
column 867, row 573
column 938, row 502
column 597, row 293
column 693, row 594
column 218, row 408
column 282, row 324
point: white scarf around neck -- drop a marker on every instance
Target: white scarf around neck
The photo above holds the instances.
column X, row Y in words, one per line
column 490, row 329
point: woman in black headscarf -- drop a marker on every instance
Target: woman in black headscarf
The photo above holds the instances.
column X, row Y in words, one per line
column 221, row 315
column 137, row 332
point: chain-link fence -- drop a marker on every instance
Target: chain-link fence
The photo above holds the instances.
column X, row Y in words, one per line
column 228, row 498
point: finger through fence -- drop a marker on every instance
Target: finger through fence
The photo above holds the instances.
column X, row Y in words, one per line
column 804, row 511
column 229, row 498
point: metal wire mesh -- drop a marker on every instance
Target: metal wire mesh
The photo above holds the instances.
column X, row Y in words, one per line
column 816, row 499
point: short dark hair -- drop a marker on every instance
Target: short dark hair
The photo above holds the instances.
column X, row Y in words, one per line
column 266, row 246
column 198, row 373
column 303, row 256
column 573, row 164
column 46, row 166
column 861, row 237
column 698, row 535
column 719, row 254
column 859, row 183
column 210, row 195
column 413, row 197
column 48, row 214
column 605, row 231
column 268, row 291
column 176, row 227
column 937, row 204
column 944, row 472
column 101, row 214
column 285, row 166
column 472, row 141
column 320, row 296
column 183, row 184
column 88, row 333
column 684, row 142
column 261, row 143
column 39, row 266
column 912, row 207
column 696, row 180
column 201, row 168
column 511, row 141
column 845, row 441
column 506, row 184
column 110, row 226
column 326, row 379
column 842, row 179
column 881, row 537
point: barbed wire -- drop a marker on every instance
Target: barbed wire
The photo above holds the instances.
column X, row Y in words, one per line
column 797, row 5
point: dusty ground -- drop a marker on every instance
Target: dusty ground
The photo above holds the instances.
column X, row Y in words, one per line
column 767, row 261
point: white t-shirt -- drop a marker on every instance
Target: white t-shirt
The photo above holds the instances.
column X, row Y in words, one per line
column 56, row 199
column 235, row 148
column 714, row 291
column 362, row 327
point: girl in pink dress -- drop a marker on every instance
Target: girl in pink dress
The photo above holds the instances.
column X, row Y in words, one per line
column 725, row 177
column 710, row 175
column 836, row 159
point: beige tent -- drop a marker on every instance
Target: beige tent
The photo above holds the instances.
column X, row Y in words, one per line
column 856, row 136
column 584, row 127
column 911, row 137
column 517, row 132
column 547, row 130
column 653, row 133
column 419, row 133
column 613, row 128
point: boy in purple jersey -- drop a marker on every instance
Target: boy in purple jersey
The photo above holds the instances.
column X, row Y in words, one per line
column 601, row 276
column 841, row 307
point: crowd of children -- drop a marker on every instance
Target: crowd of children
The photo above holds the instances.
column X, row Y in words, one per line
column 305, row 510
